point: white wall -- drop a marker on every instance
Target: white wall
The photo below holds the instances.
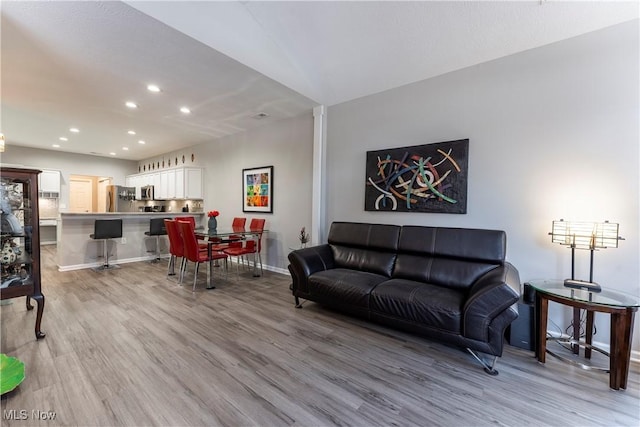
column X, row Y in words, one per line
column 69, row 164
column 287, row 145
column 554, row 133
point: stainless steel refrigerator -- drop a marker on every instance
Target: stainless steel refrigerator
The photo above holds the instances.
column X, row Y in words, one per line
column 120, row 198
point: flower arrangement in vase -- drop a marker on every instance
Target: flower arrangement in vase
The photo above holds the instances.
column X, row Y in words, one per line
column 303, row 237
column 213, row 222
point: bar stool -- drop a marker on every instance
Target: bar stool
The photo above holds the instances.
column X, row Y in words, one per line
column 156, row 229
column 106, row 229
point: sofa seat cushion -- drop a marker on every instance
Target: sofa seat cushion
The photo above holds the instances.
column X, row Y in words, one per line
column 433, row 306
column 345, row 286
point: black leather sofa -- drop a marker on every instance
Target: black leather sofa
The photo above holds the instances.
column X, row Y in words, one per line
column 449, row 284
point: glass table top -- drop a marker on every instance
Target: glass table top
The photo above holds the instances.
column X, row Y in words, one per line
column 604, row 297
column 224, row 232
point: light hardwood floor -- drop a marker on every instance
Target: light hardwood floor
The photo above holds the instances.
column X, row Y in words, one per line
column 130, row 347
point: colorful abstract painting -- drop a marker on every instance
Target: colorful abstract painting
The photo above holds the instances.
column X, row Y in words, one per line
column 421, row 178
column 257, row 189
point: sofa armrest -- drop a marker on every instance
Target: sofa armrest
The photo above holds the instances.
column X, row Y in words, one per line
column 305, row 262
column 491, row 295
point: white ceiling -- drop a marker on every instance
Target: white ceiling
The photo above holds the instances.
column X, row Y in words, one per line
column 76, row 63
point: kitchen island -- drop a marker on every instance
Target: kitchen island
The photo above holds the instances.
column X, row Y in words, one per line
column 76, row 250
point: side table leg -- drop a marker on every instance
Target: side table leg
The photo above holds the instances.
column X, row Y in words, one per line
column 576, row 330
column 589, row 333
column 542, row 308
column 622, row 350
column 628, row 336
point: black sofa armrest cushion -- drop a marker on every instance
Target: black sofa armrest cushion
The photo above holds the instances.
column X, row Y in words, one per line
column 305, row 262
column 491, row 295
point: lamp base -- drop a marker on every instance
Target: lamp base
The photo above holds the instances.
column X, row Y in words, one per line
column 582, row 284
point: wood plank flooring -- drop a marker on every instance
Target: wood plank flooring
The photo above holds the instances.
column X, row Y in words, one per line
column 130, row 347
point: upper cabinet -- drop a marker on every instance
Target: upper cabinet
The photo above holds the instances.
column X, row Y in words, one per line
column 176, row 183
column 49, row 182
column 193, row 188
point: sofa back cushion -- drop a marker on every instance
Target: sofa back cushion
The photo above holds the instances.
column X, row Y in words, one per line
column 451, row 257
column 364, row 247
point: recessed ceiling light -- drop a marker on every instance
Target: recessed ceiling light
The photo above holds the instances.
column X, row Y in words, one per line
column 131, row 132
column 185, row 110
column 153, row 88
column 63, row 138
column 74, row 130
column 141, row 142
column 112, row 153
column 125, row 148
column 131, row 104
column 56, row 145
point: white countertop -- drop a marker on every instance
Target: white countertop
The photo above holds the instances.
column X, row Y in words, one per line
column 120, row 214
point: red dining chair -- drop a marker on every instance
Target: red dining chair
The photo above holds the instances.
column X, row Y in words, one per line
column 250, row 245
column 193, row 253
column 222, row 244
column 190, row 219
column 176, row 248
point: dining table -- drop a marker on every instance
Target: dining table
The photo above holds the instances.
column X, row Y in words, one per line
column 228, row 235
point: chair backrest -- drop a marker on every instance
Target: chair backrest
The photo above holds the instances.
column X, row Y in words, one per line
column 238, row 222
column 189, row 240
column 256, row 224
column 157, row 227
column 107, row 228
column 190, row 219
column 176, row 246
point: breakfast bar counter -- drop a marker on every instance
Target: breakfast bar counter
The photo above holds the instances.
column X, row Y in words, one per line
column 76, row 250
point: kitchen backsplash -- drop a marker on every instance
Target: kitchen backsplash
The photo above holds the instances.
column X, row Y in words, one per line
column 48, row 208
column 172, row 205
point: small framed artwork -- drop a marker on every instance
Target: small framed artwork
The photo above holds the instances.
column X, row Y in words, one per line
column 257, row 189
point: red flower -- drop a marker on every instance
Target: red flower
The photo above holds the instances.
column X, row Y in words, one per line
column 213, row 214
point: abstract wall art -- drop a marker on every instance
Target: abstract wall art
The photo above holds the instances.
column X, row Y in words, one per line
column 257, row 189
column 421, row 178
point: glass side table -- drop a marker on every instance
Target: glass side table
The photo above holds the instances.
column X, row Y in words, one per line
column 622, row 308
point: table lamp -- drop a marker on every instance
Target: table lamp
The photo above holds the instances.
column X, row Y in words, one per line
column 584, row 235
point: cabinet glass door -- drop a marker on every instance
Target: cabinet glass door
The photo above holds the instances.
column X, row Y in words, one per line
column 16, row 233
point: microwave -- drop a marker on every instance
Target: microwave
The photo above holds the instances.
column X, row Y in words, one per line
column 146, row 192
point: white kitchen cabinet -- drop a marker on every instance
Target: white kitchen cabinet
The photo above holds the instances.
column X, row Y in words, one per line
column 193, row 188
column 176, row 183
column 155, row 180
column 179, row 178
column 49, row 181
column 162, row 191
column 171, row 184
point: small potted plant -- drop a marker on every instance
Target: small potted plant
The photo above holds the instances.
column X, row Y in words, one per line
column 213, row 222
column 303, row 237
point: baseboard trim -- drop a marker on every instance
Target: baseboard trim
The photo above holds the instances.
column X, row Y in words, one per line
column 99, row 263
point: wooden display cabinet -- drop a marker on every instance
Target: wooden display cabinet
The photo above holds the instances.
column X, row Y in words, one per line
column 20, row 239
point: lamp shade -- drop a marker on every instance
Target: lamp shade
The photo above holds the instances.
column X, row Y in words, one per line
column 585, row 235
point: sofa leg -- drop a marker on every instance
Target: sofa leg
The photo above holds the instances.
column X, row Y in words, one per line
column 489, row 369
column 297, row 301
